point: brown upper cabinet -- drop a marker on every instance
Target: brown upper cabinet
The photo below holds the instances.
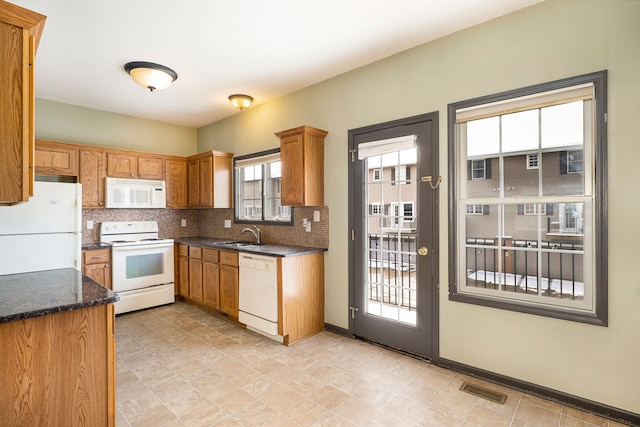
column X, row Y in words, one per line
column 134, row 166
column 209, row 176
column 54, row 158
column 302, row 156
column 176, row 178
column 20, row 31
column 93, row 171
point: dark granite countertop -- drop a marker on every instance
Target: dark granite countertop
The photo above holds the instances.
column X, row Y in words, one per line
column 92, row 246
column 267, row 249
column 39, row 293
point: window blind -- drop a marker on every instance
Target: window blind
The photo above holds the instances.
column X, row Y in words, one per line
column 513, row 105
column 384, row 146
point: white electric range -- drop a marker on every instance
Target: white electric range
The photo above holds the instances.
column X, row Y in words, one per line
column 141, row 264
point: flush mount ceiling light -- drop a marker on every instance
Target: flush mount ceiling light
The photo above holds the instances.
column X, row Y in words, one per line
column 241, row 102
column 150, row 75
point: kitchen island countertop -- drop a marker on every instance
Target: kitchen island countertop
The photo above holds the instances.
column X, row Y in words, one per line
column 267, row 249
column 26, row 295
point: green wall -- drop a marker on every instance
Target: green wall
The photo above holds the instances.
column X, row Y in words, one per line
column 56, row 121
column 552, row 40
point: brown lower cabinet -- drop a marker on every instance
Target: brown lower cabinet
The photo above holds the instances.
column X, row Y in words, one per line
column 229, row 284
column 96, row 263
column 61, row 367
column 195, row 273
column 209, row 279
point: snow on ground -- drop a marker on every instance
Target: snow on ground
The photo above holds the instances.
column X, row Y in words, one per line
column 528, row 282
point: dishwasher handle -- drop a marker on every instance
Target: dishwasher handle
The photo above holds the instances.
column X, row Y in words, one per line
column 257, row 262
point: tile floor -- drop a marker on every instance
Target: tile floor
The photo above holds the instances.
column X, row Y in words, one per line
column 179, row 366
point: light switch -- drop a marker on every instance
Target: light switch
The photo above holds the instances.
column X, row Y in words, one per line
column 316, row 216
column 227, row 223
column 89, row 225
column 183, row 222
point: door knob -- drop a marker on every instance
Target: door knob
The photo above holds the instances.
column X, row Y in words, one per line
column 423, row 251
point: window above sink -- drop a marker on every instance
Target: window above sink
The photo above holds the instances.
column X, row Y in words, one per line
column 257, row 189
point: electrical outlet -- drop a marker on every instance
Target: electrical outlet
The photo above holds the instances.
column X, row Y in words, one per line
column 227, row 223
column 304, row 222
column 316, row 216
column 183, row 222
column 308, row 226
column 89, row 225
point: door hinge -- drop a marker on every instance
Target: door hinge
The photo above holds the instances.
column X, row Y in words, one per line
column 353, row 234
column 353, row 312
column 606, row 117
column 353, row 155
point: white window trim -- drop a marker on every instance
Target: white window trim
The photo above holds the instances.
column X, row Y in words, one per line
column 475, row 210
column 483, row 168
column 530, row 160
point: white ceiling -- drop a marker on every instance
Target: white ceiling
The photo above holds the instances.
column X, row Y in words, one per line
column 265, row 49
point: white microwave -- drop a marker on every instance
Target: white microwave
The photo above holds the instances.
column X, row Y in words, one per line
column 135, row 193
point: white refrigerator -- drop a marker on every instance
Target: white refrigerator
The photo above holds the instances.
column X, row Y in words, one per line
column 44, row 233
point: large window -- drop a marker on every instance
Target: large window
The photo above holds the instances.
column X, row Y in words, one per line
column 258, row 189
column 540, row 244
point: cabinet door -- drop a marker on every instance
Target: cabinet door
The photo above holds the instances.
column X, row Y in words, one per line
column 211, row 284
column 229, row 291
column 150, row 168
column 195, row 279
column 222, row 180
column 56, row 161
column 293, row 182
column 176, row 177
column 183, row 266
column 193, row 174
column 206, row 182
column 93, row 171
column 101, row 273
column 122, row 165
column 16, row 129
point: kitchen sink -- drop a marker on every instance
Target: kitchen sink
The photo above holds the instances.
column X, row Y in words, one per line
column 239, row 245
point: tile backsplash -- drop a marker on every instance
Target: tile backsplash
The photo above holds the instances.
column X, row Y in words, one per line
column 210, row 223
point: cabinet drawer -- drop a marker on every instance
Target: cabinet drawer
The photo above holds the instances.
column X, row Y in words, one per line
column 195, row 252
column 210, row 255
column 229, row 258
column 183, row 250
column 96, row 256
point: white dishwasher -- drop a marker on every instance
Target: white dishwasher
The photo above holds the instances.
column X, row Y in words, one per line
column 258, row 295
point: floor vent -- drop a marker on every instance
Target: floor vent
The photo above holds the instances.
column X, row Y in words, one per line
column 485, row 393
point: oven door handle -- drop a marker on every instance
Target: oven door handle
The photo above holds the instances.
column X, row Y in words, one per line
column 141, row 247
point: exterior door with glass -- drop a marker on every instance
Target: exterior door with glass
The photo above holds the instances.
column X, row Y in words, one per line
column 394, row 219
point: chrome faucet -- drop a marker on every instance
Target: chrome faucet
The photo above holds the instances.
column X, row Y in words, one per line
column 256, row 233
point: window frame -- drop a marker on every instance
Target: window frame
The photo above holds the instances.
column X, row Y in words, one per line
column 533, row 162
column 261, row 208
column 598, row 255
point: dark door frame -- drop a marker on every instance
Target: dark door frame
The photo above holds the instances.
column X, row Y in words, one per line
column 433, row 117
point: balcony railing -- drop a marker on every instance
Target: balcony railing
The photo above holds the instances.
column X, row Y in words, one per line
column 392, row 268
column 547, row 268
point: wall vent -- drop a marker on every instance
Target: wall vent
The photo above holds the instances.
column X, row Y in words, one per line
column 484, row 393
